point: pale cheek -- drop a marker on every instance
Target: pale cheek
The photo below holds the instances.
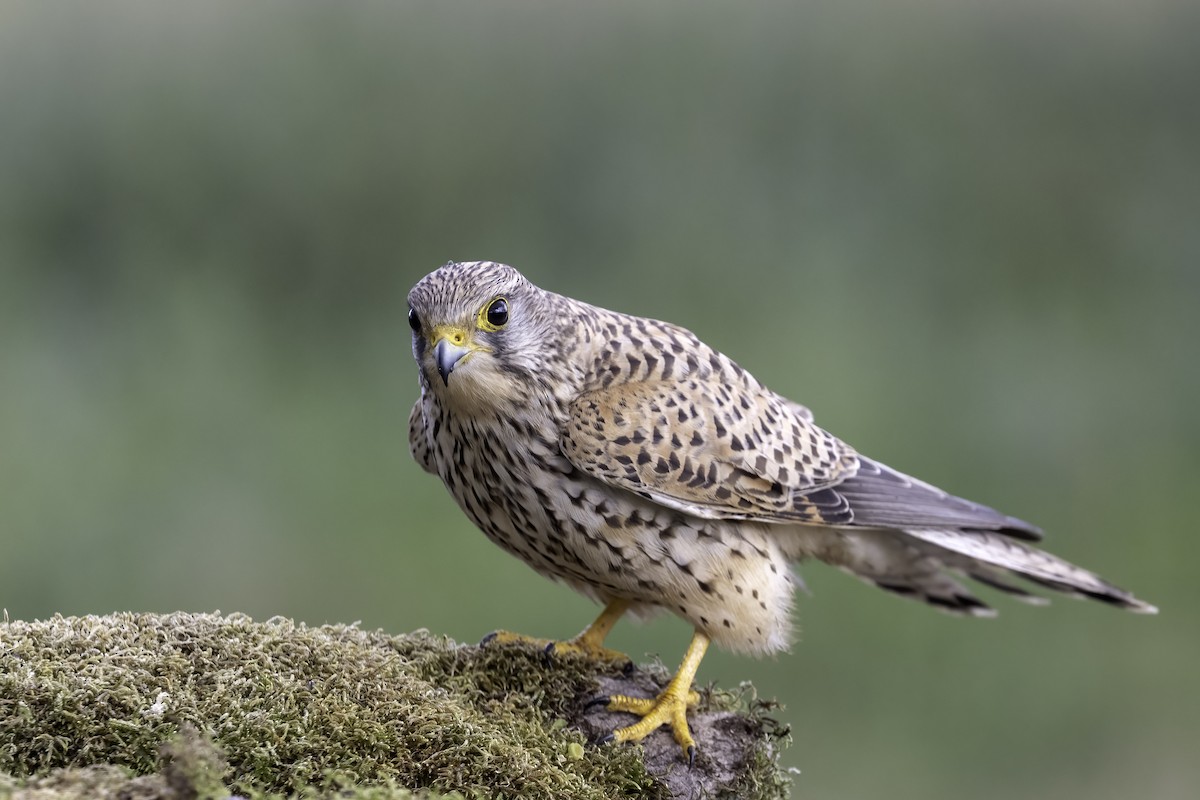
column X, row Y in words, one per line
column 479, row 385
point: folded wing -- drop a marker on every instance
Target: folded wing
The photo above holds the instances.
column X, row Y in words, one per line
column 735, row 450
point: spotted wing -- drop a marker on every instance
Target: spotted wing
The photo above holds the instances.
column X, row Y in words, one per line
column 711, row 450
column 735, row 450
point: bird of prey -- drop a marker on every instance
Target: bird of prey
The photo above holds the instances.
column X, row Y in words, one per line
column 631, row 461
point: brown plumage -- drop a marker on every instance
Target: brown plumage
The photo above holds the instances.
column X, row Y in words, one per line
column 628, row 459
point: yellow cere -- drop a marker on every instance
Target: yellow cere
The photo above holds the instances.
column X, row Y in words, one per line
column 451, row 333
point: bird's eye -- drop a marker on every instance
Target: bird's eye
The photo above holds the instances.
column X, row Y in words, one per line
column 414, row 321
column 496, row 315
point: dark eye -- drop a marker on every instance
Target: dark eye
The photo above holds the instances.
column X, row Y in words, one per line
column 414, row 321
column 497, row 313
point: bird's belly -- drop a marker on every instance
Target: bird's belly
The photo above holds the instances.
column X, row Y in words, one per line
column 727, row 578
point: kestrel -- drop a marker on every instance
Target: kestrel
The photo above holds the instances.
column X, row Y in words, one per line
column 631, row 461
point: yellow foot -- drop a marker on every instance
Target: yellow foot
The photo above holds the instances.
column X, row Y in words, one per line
column 589, row 642
column 669, row 708
column 508, row 637
column 580, row 645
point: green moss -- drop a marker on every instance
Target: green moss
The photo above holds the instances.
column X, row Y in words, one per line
column 197, row 706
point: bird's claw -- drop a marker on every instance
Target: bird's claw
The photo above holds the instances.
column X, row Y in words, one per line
column 599, row 701
column 550, row 648
column 508, row 637
column 584, row 647
column 669, row 708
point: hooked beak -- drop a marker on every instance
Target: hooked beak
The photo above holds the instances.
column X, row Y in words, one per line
column 447, row 354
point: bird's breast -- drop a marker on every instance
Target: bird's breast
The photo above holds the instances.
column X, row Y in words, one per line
column 497, row 466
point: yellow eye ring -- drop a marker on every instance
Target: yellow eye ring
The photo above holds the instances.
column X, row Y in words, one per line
column 494, row 315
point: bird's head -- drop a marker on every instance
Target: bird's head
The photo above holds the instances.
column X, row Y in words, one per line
column 479, row 332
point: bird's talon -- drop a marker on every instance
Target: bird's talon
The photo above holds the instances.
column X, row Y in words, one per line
column 582, row 645
column 669, row 708
column 607, row 738
column 508, row 637
column 588, row 649
column 598, row 701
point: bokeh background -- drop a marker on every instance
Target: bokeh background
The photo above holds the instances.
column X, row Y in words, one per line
column 965, row 233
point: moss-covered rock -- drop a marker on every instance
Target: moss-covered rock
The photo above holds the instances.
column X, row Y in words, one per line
column 202, row 705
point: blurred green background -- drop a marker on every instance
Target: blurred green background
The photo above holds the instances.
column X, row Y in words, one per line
column 966, row 234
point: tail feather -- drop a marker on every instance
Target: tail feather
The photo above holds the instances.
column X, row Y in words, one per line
column 969, row 551
column 991, row 578
column 933, row 587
